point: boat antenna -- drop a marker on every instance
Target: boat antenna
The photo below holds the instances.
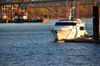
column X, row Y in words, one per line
column 72, row 14
column 73, row 10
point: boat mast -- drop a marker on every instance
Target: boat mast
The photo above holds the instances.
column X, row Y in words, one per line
column 72, row 11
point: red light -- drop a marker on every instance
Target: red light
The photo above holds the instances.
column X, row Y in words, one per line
column 21, row 14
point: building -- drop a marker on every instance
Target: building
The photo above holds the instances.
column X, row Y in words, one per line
column 9, row 9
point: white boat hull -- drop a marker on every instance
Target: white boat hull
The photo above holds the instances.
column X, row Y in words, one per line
column 63, row 34
column 67, row 34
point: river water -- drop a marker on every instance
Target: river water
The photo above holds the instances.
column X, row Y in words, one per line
column 30, row 44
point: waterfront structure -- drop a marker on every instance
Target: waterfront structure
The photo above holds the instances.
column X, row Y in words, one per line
column 13, row 8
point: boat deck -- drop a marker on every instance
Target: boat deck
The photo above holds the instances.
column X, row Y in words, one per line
column 84, row 39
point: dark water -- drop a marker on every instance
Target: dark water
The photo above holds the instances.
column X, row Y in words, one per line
column 30, row 44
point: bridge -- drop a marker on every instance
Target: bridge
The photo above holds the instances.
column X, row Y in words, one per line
column 46, row 4
column 55, row 3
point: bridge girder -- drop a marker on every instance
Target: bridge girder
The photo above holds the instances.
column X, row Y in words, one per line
column 55, row 3
column 64, row 3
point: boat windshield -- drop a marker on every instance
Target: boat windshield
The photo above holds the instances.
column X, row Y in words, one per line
column 65, row 24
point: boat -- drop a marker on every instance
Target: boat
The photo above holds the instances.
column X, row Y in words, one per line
column 3, row 18
column 37, row 19
column 43, row 20
column 20, row 17
column 69, row 28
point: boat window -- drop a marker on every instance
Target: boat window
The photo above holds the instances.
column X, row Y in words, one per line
column 64, row 24
column 82, row 28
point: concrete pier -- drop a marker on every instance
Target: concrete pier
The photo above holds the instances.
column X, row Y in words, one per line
column 84, row 39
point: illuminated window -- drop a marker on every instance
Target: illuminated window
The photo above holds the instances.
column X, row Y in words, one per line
column 82, row 28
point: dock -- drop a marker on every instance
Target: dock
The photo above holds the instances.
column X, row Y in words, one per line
column 84, row 39
column 27, row 21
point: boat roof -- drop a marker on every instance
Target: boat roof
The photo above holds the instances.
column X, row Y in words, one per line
column 66, row 20
column 70, row 21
